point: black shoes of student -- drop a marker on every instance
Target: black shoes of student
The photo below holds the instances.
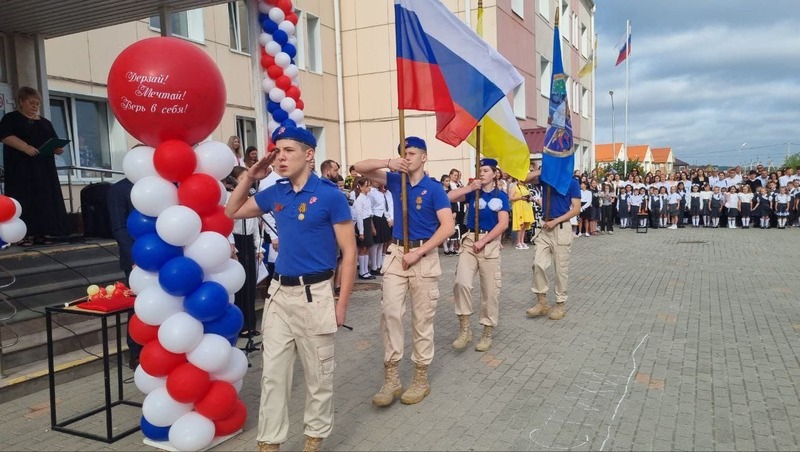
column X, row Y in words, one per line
column 375, row 272
column 366, row 276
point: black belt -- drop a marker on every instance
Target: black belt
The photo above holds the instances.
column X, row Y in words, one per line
column 411, row 243
column 480, row 231
column 303, row 280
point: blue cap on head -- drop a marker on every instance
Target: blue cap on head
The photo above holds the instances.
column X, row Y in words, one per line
column 414, row 142
column 489, row 162
column 294, row 133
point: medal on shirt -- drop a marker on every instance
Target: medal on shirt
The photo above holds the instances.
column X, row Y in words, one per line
column 302, row 210
column 419, row 202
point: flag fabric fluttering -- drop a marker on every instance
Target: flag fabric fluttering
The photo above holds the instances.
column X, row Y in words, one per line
column 443, row 66
column 624, row 49
column 558, row 159
column 503, row 140
column 591, row 63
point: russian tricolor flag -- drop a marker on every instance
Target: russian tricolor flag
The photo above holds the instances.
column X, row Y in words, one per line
column 624, row 50
column 443, row 66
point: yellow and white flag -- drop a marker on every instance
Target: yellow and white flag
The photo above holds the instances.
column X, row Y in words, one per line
column 591, row 63
column 503, row 140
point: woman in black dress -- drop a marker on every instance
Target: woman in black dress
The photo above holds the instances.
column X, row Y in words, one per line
column 31, row 177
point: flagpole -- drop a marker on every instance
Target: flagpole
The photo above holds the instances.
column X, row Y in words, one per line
column 627, row 86
column 478, row 138
column 403, row 179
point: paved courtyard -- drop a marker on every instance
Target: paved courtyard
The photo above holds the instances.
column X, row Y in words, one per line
column 674, row 339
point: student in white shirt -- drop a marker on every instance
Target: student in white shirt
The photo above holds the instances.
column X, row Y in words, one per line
column 673, row 204
column 705, row 205
column 382, row 232
column 363, row 210
column 733, row 206
column 746, row 205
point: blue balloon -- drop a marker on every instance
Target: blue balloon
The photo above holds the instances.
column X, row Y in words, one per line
column 155, row 433
column 269, row 26
column 281, row 37
column 272, row 106
column 180, row 276
column 150, row 252
column 140, row 224
column 262, row 16
column 280, row 115
column 2, row 242
column 233, row 339
column 289, row 50
column 208, row 302
column 289, row 123
column 228, row 325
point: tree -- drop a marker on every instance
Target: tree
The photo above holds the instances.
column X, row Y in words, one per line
column 792, row 161
column 619, row 167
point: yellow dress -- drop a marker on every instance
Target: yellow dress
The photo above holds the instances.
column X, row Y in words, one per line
column 521, row 210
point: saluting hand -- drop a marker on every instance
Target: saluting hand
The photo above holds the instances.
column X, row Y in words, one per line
column 260, row 169
column 399, row 165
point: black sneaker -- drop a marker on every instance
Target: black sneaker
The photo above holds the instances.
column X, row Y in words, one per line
column 366, row 276
column 375, row 272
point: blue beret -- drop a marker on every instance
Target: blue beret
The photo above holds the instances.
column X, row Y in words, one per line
column 294, row 133
column 414, row 142
column 488, row 162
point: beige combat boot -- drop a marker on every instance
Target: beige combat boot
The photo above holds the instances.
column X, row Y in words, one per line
column 264, row 447
column 464, row 333
column 312, row 444
column 419, row 386
column 391, row 385
column 541, row 308
column 557, row 313
column 486, row 339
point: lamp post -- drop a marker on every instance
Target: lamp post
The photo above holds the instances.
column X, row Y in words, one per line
column 741, row 148
column 613, row 142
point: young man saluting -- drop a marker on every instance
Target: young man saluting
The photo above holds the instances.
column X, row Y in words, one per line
column 430, row 222
column 301, row 316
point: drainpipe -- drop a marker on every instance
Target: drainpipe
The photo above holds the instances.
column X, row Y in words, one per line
column 337, row 25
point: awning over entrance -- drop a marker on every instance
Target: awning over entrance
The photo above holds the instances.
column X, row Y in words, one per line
column 535, row 139
column 51, row 19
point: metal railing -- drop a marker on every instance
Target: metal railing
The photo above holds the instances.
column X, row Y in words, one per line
column 5, row 318
column 104, row 174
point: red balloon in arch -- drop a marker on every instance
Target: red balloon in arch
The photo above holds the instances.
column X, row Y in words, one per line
column 188, row 383
column 293, row 92
column 232, row 423
column 286, row 6
column 140, row 332
column 7, row 208
column 267, row 60
column 300, row 105
column 217, row 221
column 199, row 192
column 174, row 160
column 292, row 17
column 283, row 82
column 158, row 361
column 275, row 72
column 166, row 88
column 219, row 402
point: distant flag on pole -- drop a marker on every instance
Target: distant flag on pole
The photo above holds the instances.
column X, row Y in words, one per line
column 558, row 160
column 624, row 49
column 443, row 66
column 591, row 63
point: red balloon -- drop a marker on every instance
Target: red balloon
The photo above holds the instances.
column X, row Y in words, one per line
column 187, row 383
column 219, row 402
column 267, row 60
column 140, row 332
column 199, row 192
column 285, row 5
column 217, row 222
column 283, row 82
column 275, row 71
column 7, row 208
column 293, row 92
column 232, row 423
column 158, row 361
column 174, row 160
column 300, row 104
column 166, row 89
column 292, row 17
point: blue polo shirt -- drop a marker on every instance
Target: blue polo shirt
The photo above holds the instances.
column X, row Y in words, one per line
column 559, row 204
column 308, row 245
column 428, row 195
column 488, row 217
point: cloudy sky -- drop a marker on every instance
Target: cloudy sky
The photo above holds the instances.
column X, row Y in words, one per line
column 706, row 76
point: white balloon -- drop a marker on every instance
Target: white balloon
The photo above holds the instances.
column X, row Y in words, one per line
column 264, row 38
column 265, row 7
column 297, row 115
column 141, row 279
column 293, row 40
column 214, row 158
column 231, row 298
column 283, row 60
column 153, row 306
column 192, row 431
column 287, row 26
column 223, row 194
column 13, row 230
column 272, row 48
column 235, row 369
column 276, row 94
column 211, row 354
column 147, row 383
column 162, row 410
column 152, row 194
column 180, row 333
column 288, row 104
column 231, row 275
column 18, row 211
column 138, row 163
column 238, row 385
column 291, row 71
column 277, row 15
column 272, row 125
column 210, row 250
column 295, row 82
column 267, row 84
column 178, row 225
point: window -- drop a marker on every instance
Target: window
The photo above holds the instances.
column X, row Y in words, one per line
column 186, row 24
column 86, row 123
column 239, row 26
column 246, row 131
column 545, row 74
column 565, row 20
column 572, row 94
column 313, row 43
column 574, row 25
column 300, row 33
column 517, row 6
column 585, row 102
column 544, row 9
column 320, row 153
column 519, row 101
column 585, row 44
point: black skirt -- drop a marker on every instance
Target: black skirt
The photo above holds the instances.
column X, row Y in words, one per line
column 368, row 238
column 245, row 298
column 383, row 233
